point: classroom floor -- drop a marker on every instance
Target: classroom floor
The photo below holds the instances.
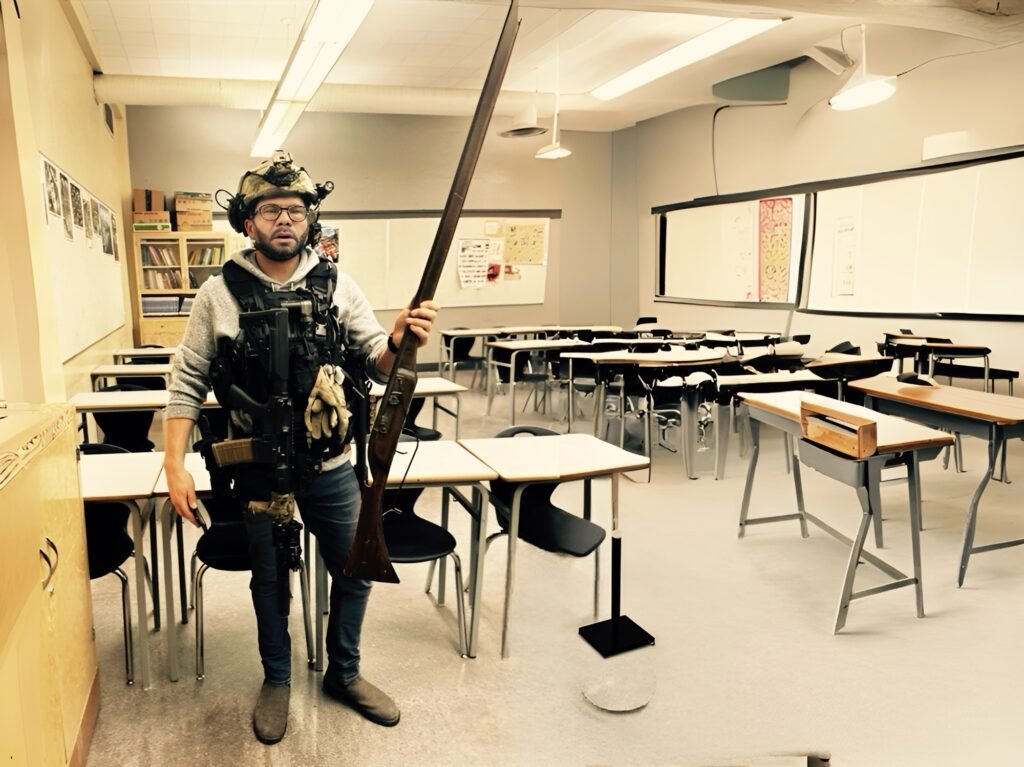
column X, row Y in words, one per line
column 745, row 666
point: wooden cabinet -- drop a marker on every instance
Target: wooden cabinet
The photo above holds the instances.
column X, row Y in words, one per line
column 47, row 654
column 169, row 269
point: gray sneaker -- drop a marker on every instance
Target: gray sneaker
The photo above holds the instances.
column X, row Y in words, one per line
column 368, row 700
column 270, row 717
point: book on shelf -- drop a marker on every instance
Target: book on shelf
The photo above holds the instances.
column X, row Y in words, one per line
column 186, row 305
column 152, row 305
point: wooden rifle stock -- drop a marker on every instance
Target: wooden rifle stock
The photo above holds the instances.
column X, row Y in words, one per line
column 369, row 558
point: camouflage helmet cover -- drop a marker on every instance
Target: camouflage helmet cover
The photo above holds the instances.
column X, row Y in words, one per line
column 276, row 176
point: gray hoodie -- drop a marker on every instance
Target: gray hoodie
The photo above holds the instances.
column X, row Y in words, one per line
column 214, row 316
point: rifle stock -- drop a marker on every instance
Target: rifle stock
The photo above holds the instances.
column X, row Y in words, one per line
column 369, row 555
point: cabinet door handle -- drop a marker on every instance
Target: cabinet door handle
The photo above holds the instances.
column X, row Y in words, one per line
column 56, row 553
column 49, row 568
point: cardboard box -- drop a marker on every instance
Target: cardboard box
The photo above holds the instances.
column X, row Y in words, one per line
column 193, row 202
column 151, row 217
column 195, row 227
column 193, row 221
column 152, row 227
column 147, row 199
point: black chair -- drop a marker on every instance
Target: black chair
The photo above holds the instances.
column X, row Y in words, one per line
column 109, row 546
column 462, row 356
column 645, row 321
column 411, row 539
column 419, row 432
column 845, row 347
column 129, row 430
column 154, row 383
column 541, row 523
column 225, row 546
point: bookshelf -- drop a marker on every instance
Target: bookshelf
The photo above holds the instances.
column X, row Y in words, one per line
column 169, row 268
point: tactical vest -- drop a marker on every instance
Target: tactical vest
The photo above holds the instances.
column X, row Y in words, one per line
column 315, row 338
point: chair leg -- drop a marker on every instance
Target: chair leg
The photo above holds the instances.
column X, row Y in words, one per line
column 306, row 620
column 192, row 578
column 197, row 596
column 126, row 617
column 460, row 605
column 430, row 576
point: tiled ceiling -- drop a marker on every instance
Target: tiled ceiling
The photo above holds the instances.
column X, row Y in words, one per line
column 439, row 45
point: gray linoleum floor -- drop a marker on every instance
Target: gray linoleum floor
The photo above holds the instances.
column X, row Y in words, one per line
column 745, row 667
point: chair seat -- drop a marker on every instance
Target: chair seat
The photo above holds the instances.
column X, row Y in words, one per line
column 422, row 433
column 554, row 529
column 107, row 556
column 411, row 538
column 225, row 547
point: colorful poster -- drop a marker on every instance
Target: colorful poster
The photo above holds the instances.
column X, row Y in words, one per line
column 525, row 243
column 477, row 257
column 775, row 241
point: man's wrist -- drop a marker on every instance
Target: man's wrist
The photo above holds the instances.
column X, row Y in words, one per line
column 392, row 346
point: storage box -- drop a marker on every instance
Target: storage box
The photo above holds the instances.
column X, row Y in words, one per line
column 193, row 202
column 151, row 217
column 152, row 227
column 147, row 199
column 193, row 220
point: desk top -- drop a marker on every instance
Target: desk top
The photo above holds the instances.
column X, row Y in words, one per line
column 119, row 476
column 650, row 359
column 795, row 377
column 894, row 434
column 837, row 360
column 156, row 369
column 557, row 457
column 519, row 329
column 149, row 399
column 539, row 344
column 145, row 351
column 428, row 386
column 984, row 406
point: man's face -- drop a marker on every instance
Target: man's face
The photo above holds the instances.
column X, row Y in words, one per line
column 278, row 238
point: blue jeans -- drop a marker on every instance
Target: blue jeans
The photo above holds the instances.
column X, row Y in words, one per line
column 329, row 507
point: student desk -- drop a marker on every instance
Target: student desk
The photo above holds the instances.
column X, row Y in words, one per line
column 516, row 348
column 899, row 442
column 552, row 459
column 433, row 387
column 442, row 464
column 992, row 417
column 124, row 402
column 102, row 373
column 122, row 356
column 128, row 478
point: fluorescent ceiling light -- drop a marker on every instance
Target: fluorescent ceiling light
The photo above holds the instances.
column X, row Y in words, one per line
column 863, row 89
column 732, row 32
column 328, row 28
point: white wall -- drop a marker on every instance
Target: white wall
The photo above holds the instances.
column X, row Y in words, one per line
column 407, row 163
column 803, row 141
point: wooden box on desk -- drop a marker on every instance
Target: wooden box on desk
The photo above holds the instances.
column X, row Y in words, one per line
column 833, row 427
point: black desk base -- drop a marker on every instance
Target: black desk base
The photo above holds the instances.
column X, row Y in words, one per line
column 619, row 633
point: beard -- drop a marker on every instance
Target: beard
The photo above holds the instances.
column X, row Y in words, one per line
column 282, row 244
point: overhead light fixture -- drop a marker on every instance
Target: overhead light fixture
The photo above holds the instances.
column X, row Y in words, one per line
column 703, row 46
column 863, row 89
column 554, row 150
column 524, row 124
column 329, row 27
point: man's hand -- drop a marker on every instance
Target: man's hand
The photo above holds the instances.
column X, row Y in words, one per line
column 419, row 321
column 182, row 491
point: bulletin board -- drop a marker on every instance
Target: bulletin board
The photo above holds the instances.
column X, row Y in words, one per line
column 733, row 250
column 496, row 260
column 83, row 240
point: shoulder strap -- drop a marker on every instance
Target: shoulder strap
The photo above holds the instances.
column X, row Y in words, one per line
column 322, row 280
column 246, row 289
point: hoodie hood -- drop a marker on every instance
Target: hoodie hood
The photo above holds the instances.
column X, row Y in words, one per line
column 307, row 260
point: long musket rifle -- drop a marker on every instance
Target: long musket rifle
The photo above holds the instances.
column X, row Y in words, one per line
column 369, row 558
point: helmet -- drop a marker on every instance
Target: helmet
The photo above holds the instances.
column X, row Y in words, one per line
column 277, row 176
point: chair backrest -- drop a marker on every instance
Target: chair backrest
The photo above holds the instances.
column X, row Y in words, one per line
column 845, row 347
column 100, row 448
column 129, row 430
column 646, row 321
column 106, row 523
column 536, row 431
column 225, row 545
column 154, row 383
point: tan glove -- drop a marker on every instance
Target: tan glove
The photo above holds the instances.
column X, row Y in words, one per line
column 325, row 409
column 278, row 507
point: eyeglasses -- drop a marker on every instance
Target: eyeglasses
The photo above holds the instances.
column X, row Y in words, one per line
column 271, row 212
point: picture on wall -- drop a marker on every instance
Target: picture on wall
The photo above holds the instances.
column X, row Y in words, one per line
column 328, row 244
column 65, row 207
column 106, row 235
column 94, row 205
column 76, row 206
column 52, row 189
column 87, row 210
column 113, row 237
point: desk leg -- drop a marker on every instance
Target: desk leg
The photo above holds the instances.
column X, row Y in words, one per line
column 480, row 502
column 587, row 511
column 874, row 485
column 722, row 426
column 512, row 386
column 995, row 439
column 443, row 567
column 155, row 574
column 914, row 491
column 165, row 518
column 142, row 622
column 490, row 379
column 755, row 451
column 571, row 400
column 690, row 409
column 510, row 569
column 851, row 566
column 798, row 487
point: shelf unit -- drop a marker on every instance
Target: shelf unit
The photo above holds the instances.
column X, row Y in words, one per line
column 169, row 268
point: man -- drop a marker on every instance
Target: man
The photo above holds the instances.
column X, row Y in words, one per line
column 276, row 207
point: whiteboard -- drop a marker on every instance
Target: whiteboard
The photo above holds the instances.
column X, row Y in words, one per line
column 943, row 242
column 493, row 261
column 733, row 251
column 88, row 295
